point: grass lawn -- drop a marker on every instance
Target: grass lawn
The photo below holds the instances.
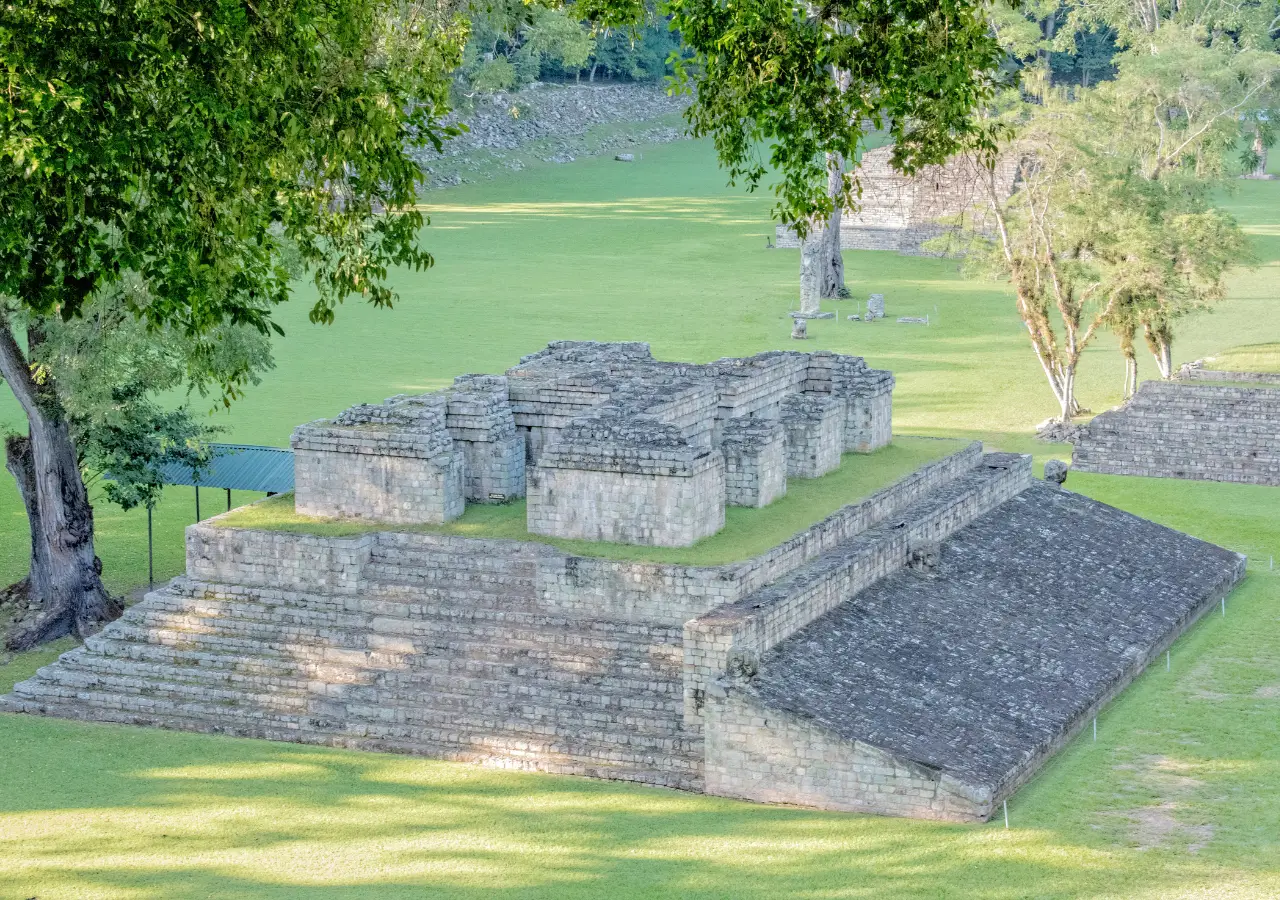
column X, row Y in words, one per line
column 1248, row 358
column 746, row 532
column 1179, row 797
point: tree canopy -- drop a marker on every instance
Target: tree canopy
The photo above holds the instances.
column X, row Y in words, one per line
column 812, row 80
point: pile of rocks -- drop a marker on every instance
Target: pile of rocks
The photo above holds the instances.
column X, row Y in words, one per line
column 550, row 122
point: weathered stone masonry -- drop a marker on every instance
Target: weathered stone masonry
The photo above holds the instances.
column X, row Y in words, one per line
column 1201, row 430
column 619, row 446
column 919, row 652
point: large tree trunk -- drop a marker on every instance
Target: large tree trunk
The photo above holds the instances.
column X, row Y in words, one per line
column 831, row 272
column 65, row 574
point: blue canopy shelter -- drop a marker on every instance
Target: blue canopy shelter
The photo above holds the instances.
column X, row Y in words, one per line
column 234, row 467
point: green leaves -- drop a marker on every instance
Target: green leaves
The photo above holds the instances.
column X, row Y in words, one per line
column 191, row 146
column 806, row 81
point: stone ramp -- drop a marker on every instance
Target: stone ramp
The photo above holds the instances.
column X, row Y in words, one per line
column 937, row 691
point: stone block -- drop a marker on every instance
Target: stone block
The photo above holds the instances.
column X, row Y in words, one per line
column 755, row 457
column 814, row 425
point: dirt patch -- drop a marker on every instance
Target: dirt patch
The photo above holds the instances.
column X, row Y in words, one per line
column 1153, row 827
column 1268, row 692
column 1159, row 825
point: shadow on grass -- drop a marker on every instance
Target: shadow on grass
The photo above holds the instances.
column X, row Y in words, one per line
column 152, row 817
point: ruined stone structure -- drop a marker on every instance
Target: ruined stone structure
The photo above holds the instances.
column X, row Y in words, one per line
column 900, row 212
column 919, row 652
column 1203, row 429
column 620, row 447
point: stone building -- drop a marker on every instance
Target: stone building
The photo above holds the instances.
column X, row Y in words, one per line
column 901, row 212
column 619, row 446
column 919, row 652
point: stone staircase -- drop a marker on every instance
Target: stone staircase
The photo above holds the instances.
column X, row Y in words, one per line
column 443, row 676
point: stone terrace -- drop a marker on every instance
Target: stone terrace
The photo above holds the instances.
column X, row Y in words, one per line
column 1205, row 430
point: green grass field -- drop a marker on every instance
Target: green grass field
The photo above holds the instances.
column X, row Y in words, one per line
column 1179, row 797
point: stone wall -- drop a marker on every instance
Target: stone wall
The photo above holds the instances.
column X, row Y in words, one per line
column 899, row 212
column 755, row 458
column 598, row 415
column 663, row 510
column 732, row 638
column 394, row 462
column 758, row 753
column 940, row 689
column 567, row 585
column 1187, row 430
column 815, row 433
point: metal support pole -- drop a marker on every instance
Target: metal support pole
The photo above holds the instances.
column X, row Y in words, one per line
column 197, row 503
column 151, row 556
column 228, row 499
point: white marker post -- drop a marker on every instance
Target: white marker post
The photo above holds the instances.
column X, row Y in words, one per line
column 1095, row 728
column 1006, row 815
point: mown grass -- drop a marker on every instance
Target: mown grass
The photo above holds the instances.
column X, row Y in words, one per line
column 1178, row 798
column 746, row 532
column 1248, row 358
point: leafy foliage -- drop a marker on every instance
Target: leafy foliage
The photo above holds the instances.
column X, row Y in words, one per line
column 112, row 375
column 187, row 144
column 812, row 81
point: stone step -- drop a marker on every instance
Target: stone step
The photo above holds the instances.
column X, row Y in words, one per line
column 500, row 619
column 432, row 690
column 587, row 730
column 611, row 698
column 270, row 627
column 628, row 762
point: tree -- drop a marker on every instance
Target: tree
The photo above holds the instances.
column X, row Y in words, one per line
column 110, row 373
column 813, row 81
column 187, row 148
column 1112, row 223
column 511, row 42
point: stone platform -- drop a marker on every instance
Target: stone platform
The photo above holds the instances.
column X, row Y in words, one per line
column 917, row 653
column 952, row 680
column 1204, row 429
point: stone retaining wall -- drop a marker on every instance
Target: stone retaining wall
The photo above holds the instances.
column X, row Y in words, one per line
column 771, row 756
column 1187, row 430
column 664, row 593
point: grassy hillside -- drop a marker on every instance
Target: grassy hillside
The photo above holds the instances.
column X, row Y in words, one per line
column 1179, row 796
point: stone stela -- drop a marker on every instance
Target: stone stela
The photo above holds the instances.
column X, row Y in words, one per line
column 919, row 652
column 618, row 446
